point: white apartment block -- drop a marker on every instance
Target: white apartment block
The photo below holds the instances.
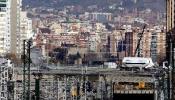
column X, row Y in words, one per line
column 4, row 26
column 26, row 31
column 14, row 27
column 100, row 17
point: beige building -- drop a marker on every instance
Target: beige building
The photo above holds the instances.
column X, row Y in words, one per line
column 170, row 14
column 14, row 24
column 152, row 44
column 170, row 20
column 26, row 31
column 170, row 9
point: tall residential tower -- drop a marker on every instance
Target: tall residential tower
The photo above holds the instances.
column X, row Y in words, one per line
column 170, row 14
column 15, row 26
column 9, row 25
column 5, row 26
column 170, row 41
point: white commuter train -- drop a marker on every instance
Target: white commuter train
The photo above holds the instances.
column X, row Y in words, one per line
column 137, row 63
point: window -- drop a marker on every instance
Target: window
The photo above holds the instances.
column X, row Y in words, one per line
column 2, row 5
column 3, row 0
column 2, row 15
column 153, row 45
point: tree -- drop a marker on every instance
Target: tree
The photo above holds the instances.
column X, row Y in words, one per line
column 13, row 58
column 61, row 54
column 73, row 57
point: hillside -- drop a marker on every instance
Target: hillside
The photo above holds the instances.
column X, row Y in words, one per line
column 140, row 4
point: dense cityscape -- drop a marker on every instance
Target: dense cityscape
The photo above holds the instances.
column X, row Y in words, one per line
column 87, row 50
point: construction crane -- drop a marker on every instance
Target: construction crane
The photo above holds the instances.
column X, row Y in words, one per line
column 137, row 50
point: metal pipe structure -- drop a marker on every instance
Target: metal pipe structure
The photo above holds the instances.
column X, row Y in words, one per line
column 24, row 69
column 37, row 88
column 28, row 74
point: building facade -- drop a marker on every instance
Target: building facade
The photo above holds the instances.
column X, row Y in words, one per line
column 6, row 77
column 15, row 26
column 170, row 14
column 170, row 40
column 100, row 17
column 15, row 8
column 26, row 31
column 5, row 26
column 152, row 43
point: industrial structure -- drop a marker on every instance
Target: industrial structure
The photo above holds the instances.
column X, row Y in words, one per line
column 98, row 83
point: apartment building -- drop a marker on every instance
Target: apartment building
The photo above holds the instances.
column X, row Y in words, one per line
column 152, row 43
column 26, row 31
column 100, row 17
column 6, row 77
column 14, row 27
column 5, row 26
column 170, row 21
